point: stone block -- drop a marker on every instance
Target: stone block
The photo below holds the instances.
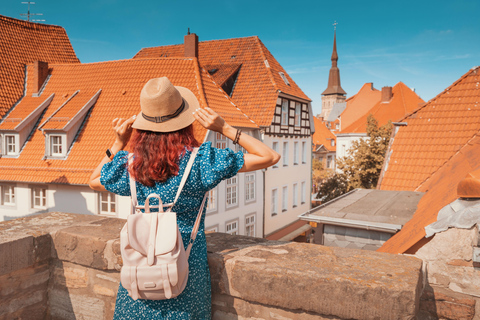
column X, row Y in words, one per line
column 316, row 279
column 441, row 303
column 16, row 253
column 103, row 291
column 73, row 306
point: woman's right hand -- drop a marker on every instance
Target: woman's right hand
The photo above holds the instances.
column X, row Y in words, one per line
column 210, row 120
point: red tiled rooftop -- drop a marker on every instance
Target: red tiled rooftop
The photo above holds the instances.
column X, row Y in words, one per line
column 121, row 83
column 433, row 153
column 258, row 82
column 359, row 104
column 403, row 102
column 435, row 133
column 323, row 136
column 21, row 43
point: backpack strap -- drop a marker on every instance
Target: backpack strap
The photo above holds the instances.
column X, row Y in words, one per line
column 133, row 186
column 193, row 235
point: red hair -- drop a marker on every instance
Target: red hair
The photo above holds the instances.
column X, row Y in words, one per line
column 157, row 154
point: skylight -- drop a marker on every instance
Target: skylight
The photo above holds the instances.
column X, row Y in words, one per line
column 284, row 78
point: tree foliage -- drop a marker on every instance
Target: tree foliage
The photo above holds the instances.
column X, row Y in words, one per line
column 365, row 158
column 319, row 173
column 333, row 187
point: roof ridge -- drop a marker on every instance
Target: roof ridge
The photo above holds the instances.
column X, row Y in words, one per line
column 117, row 61
column 198, row 77
column 269, row 71
column 447, row 89
column 28, row 23
column 447, row 160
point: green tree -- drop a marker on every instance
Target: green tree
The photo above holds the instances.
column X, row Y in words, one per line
column 333, row 187
column 365, row 158
column 319, row 173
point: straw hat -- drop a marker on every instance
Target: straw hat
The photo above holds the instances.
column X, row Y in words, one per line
column 165, row 107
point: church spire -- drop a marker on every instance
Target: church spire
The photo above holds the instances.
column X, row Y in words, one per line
column 334, row 86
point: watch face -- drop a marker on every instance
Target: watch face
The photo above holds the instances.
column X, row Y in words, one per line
column 109, row 153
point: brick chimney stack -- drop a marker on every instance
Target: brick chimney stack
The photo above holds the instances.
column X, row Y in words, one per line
column 191, row 45
column 386, row 94
column 40, row 73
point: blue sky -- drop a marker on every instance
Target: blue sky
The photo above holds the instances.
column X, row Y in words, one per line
column 425, row 44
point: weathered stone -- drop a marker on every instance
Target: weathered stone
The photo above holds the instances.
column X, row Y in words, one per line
column 73, row 306
column 298, row 276
column 441, row 303
column 69, row 277
column 16, row 253
column 103, row 291
column 460, row 263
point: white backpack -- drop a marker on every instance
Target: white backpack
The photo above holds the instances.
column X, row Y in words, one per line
column 155, row 262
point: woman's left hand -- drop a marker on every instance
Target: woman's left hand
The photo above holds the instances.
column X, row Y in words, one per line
column 123, row 130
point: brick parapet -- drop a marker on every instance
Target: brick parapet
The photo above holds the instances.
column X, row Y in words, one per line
column 251, row 277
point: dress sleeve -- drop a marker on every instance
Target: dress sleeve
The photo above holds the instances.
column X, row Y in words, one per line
column 114, row 175
column 218, row 164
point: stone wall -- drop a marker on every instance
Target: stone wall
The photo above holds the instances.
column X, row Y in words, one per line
column 65, row 266
column 452, row 277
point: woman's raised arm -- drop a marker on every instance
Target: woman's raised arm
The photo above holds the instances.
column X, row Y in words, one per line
column 259, row 155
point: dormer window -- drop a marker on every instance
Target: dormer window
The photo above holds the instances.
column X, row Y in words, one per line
column 10, row 145
column 56, row 146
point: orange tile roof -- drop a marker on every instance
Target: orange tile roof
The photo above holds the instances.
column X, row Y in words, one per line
column 222, row 72
column 435, row 132
column 21, row 111
column 359, row 104
column 403, row 102
column 21, row 43
column 258, row 82
column 433, row 153
column 323, row 136
column 121, row 83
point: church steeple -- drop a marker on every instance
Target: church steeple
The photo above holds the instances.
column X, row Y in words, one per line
column 334, row 86
column 334, row 92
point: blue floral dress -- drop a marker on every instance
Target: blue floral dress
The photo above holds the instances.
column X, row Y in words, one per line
column 211, row 166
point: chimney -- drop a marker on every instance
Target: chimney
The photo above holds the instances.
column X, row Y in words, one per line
column 386, row 94
column 191, row 45
column 40, row 73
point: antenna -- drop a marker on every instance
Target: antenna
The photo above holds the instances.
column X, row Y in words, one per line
column 188, row 30
column 335, row 25
column 28, row 14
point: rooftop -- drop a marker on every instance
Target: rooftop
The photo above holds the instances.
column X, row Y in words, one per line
column 21, row 43
column 259, row 79
column 323, row 136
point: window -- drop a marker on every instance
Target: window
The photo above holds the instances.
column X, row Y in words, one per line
column 10, row 145
column 304, row 152
column 284, row 78
column 56, row 146
column 8, row 195
column 231, row 191
column 304, row 192
column 220, row 141
column 298, row 113
column 212, row 229
column 39, row 197
column 337, row 126
column 285, row 153
column 250, row 225
column 232, row 227
column 295, row 152
column 329, row 161
column 274, row 202
column 212, row 200
column 275, row 148
column 249, row 187
column 284, row 198
column 108, row 203
column 284, row 120
column 332, row 143
column 295, row 195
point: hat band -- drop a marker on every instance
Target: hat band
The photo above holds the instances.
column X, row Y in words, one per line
column 167, row 117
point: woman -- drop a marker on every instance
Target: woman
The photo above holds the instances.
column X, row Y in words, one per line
column 162, row 144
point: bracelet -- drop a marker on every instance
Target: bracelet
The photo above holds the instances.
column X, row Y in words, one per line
column 237, row 136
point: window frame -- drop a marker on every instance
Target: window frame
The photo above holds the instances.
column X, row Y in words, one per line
column 212, row 228
column 12, row 194
column 295, row 195
column 274, row 202
column 236, row 229
column 284, row 198
column 298, row 107
column 109, row 203
column 8, row 144
column 220, row 139
column 250, row 223
column 252, row 185
column 304, row 152
column 303, row 191
column 295, row 153
column 52, row 145
column 284, row 113
column 231, row 186
column 42, row 197
column 212, row 199
column 276, row 150
column 285, row 153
